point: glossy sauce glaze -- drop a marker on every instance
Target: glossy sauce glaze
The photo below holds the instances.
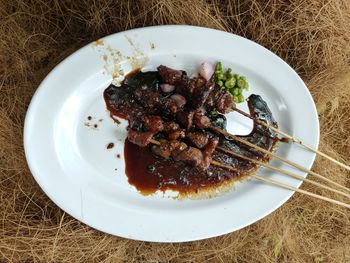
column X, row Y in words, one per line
column 149, row 172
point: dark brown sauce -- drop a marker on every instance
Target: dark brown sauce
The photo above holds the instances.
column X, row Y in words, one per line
column 89, row 118
column 130, row 74
column 95, row 125
column 110, row 145
column 118, row 155
column 149, row 173
column 114, row 112
column 114, row 118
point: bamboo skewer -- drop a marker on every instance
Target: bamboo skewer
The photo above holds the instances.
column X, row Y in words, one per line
column 277, row 157
column 282, row 171
column 273, row 182
column 276, row 183
column 296, row 140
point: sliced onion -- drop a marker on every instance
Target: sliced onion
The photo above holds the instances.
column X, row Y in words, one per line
column 167, row 87
column 179, row 99
column 206, row 70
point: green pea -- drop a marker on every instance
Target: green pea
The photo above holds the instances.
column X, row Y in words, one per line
column 229, row 72
column 229, row 75
column 235, row 98
column 236, row 91
column 220, row 83
column 233, row 80
column 218, row 66
column 230, row 83
column 220, row 76
column 240, row 98
column 241, row 83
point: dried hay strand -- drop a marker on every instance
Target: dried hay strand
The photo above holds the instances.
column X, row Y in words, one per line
column 312, row 36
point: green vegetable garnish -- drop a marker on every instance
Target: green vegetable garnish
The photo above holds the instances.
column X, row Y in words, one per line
column 233, row 83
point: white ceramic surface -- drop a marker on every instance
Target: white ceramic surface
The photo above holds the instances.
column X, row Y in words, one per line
column 68, row 156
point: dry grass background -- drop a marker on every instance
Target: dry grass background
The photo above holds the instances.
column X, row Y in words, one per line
column 311, row 35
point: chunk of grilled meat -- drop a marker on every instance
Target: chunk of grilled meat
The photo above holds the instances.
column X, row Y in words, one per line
column 200, row 120
column 140, row 138
column 185, row 118
column 176, row 134
column 198, row 138
column 169, row 75
column 153, row 123
column 180, row 151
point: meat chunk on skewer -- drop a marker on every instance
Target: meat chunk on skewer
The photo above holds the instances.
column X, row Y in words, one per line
column 169, row 75
column 147, row 97
column 201, row 94
column 153, row 123
column 190, row 155
column 200, row 120
column 179, row 151
column 139, row 138
column 198, row 138
column 171, row 126
column 185, row 118
column 176, row 134
column 167, row 148
column 208, row 151
column 224, row 102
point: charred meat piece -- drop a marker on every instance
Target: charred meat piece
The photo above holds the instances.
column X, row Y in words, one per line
column 224, row 102
column 153, row 123
column 169, row 106
column 179, row 100
column 201, row 94
column 136, row 122
column 185, row 118
column 186, row 87
column 173, row 130
column 169, row 75
column 177, row 147
column 200, row 120
column 147, row 97
column 207, row 153
column 171, row 126
column 210, row 147
column 163, row 150
column 120, row 101
column 168, row 148
column 198, row 138
column 179, row 151
column 139, row 138
column 150, row 79
column 176, row 134
column 190, row 155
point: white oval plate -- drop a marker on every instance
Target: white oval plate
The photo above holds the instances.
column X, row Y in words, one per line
column 68, row 156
